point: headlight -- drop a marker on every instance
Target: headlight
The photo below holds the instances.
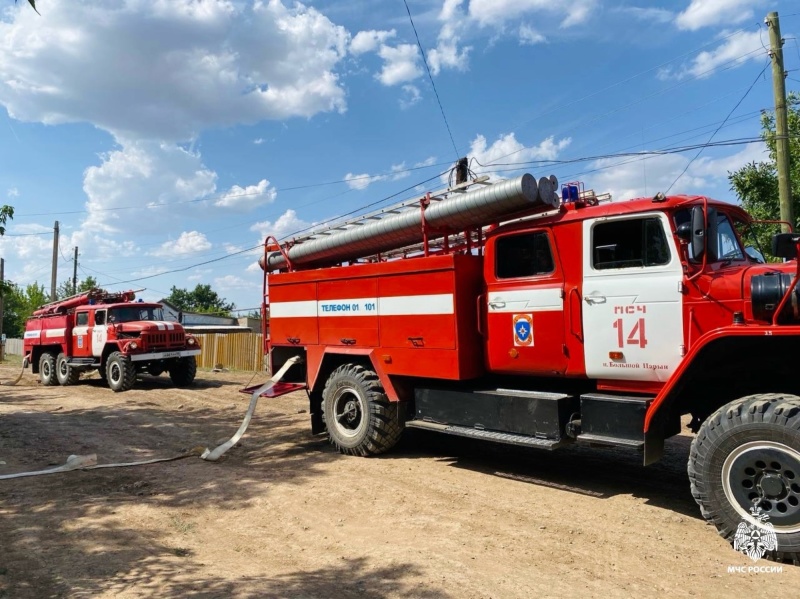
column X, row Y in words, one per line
column 133, row 345
column 190, row 341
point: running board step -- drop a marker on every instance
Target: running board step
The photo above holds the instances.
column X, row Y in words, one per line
column 474, row 433
column 612, row 441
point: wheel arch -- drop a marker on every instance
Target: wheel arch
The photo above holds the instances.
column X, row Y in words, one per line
column 722, row 367
column 36, row 354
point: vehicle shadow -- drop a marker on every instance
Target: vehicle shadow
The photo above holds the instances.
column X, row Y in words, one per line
column 594, row 471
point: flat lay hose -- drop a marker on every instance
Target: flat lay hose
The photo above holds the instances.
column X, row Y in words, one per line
column 21, row 372
column 89, row 462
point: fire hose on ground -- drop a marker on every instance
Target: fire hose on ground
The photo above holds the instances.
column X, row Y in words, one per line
column 89, row 462
column 21, row 372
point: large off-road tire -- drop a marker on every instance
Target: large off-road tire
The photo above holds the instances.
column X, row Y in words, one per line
column 359, row 417
column 47, row 369
column 183, row 371
column 120, row 373
column 747, row 454
column 66, row 374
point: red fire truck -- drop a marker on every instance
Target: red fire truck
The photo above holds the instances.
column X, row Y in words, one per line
column 110, row 333
column 512, row 313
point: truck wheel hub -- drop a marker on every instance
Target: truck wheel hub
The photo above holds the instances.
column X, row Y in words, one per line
column 765, row 474
column 347, row 411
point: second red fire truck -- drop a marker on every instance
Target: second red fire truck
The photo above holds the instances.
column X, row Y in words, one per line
column 110, row 333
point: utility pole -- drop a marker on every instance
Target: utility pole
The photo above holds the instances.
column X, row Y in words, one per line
column 2, row 313
column 54, row 273
column 75, row 272
column 781, row 119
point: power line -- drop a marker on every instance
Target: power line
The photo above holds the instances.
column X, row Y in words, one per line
column 430, row 76
column 700, row 151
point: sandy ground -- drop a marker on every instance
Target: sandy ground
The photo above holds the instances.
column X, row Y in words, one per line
column 284, row 515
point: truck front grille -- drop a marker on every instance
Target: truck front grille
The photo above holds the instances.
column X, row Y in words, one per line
column 165, row 340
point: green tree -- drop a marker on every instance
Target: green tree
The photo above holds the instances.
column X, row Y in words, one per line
column 201, row 299
column 65, row 288
column 19, row 304
column 756, row 183
column 87, row 284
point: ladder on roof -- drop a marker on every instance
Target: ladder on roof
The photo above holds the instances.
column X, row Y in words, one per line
column 399, row 208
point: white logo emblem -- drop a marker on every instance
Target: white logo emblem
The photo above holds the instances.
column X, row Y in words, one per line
column 755, row 539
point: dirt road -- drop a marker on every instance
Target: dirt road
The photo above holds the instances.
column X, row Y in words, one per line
column 283, row 515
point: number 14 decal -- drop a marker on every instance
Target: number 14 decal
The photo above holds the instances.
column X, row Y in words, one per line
column 636, row 336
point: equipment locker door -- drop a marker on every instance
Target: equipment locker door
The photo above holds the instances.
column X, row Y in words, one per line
column 525, row 306
column 632, row 300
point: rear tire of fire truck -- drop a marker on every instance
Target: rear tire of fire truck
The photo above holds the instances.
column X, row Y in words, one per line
column 66, row 374
column 120, row 373
column 745, row 462
column 47, row 369
column 184, row 370
column 358, row 415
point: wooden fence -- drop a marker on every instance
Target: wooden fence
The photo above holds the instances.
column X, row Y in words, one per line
column 234, row 351
column 14, row 347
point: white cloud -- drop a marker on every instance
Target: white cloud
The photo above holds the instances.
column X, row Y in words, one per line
column 233, row 282
column 190, row 242
column 507, row 148
column 361, row 181
column 369, row 41
column 176, row 66
column 429, row 161
column 500, row 12
column 411, row 97
column 136, row 187
column 447, row 53
column 732, row 52
column 287, row 225
column 529, row 36
column 705, row 13
column 12, row 192
column 718, row 168
column 650, row 174
column 258, row 141
column 246, row 198
column 400, row 64
column 655, row 15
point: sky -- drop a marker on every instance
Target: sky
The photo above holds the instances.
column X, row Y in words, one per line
column 168, row 138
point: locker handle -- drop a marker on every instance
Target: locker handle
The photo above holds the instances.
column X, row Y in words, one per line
column 348, row 341
column 293, row 340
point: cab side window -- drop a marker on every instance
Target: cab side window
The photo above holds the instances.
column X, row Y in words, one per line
column 100, row 317
column 525, row 255
column 82, row 319
column 629, row 243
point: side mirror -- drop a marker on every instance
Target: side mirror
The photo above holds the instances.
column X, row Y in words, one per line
column 784, row 245
column 697, row 239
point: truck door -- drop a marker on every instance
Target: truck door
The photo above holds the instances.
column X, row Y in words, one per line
column 632, row 308
column 99, row 333
column 524, row 305
column 81, row 346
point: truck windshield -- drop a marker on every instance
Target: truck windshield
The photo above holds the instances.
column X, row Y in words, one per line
column 134, row 313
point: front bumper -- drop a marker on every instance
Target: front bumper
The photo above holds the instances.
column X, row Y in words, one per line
column 164, row 355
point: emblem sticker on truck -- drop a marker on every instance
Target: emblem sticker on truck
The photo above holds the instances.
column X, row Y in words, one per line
column 523, row 330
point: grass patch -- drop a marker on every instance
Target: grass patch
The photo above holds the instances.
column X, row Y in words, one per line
column 182, row 526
